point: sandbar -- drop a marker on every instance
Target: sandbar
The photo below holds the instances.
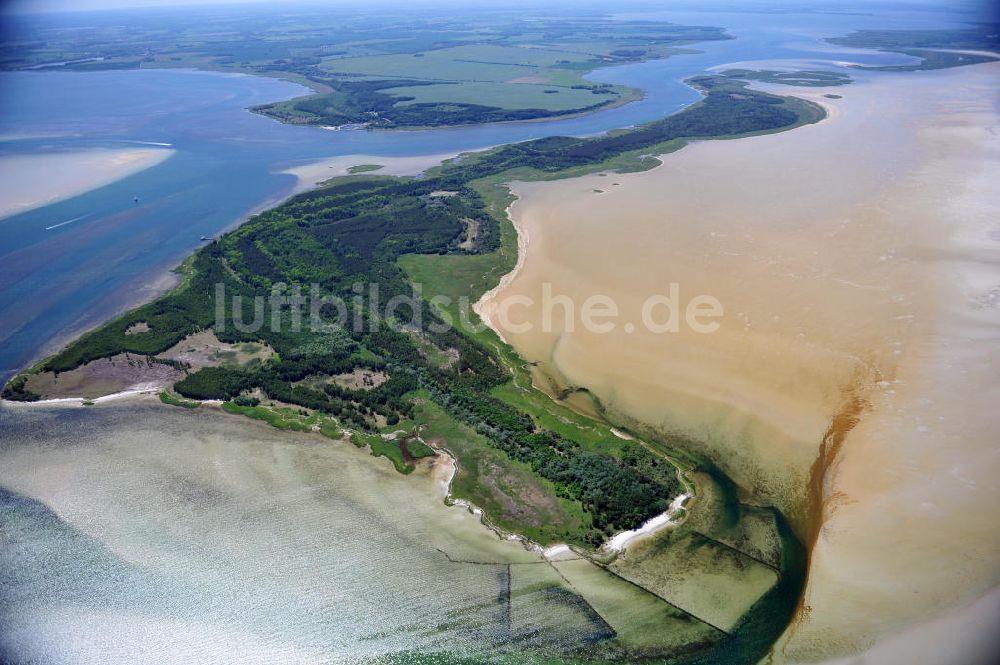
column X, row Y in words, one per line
column 35, row 180
column 313, row 173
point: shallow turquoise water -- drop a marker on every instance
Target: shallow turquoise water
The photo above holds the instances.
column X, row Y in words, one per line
column 138, row 533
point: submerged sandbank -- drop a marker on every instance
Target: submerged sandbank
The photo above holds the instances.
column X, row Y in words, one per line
column 35, row 180
column 855, row 262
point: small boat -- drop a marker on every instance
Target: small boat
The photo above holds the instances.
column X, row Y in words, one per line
column 207, row 238
column 135, row 199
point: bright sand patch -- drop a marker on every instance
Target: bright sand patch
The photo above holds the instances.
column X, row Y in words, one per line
column 856, row 263
column 32, row 181
column 313, row 173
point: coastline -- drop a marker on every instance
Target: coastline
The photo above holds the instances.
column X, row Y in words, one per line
column 618, row 542
column 443, row 468
column 535, row 208
column 313, row 174
column 415, row 165
column 878, row 359
column 444, row 473
column 847, row 404
column 310, row 175
column 485, row 306
column 622, row 540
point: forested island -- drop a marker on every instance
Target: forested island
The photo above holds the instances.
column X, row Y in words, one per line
column 407, row 384
column 354, row 231
column 422, row 383
column 535, row 466
column 412, row 384
column 935, row 49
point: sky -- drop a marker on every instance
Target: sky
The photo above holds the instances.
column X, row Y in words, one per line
column 83, row 5
column 22, row 6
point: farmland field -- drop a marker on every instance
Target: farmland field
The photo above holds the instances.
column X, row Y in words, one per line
column 408, row 70
column 503, row 95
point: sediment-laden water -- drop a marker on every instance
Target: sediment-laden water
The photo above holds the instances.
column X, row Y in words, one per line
column 228, row 162
column 852, row 376
column 135, row 532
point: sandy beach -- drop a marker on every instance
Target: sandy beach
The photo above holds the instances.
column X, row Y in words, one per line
column 32, row 181
column 852, row 379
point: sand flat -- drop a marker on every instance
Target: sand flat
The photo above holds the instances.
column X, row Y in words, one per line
column 313, row 173
column 856, row 263
column 36, row 180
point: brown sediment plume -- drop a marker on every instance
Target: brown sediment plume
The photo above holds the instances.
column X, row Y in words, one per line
column 32, row 181
column 850, row 381
column 820, row 499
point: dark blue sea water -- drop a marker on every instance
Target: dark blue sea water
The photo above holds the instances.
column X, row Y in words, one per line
column 55, row 282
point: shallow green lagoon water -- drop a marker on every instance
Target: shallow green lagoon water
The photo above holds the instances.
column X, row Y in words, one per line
column 135, row 531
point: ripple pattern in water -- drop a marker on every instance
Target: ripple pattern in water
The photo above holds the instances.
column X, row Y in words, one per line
column 136, row 533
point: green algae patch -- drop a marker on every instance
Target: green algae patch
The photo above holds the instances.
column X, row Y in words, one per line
column 288, row 418
column 173, row 400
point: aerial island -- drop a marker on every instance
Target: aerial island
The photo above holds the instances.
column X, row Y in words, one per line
column 283, row 319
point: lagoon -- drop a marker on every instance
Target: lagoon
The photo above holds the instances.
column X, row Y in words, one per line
column 135, row 532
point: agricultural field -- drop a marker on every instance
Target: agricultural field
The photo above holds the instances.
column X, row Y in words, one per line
column 450, row 68
column 474, row 62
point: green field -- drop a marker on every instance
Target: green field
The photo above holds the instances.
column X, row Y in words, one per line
column 508, row 77
column 502, row 66
column 502, row 95
column 478, row 62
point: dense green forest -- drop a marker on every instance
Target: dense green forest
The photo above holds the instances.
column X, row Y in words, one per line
column 346, row 238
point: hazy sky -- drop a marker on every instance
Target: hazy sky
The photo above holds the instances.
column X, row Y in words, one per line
column 81, row 5
column 984, row 6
